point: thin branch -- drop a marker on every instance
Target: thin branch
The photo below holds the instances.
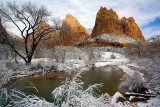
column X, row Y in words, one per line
column 12, row 46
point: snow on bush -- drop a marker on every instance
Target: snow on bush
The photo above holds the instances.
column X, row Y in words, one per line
column 133, row 83
column 20, row 99
column 113, row 56
column 72, row 94
column 152, row 68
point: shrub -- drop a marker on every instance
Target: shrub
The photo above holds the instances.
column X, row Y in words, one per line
column 113, row 56
column 133, row 83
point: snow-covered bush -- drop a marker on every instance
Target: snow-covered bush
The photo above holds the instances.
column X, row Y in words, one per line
column 36, row 67
column 113, row 56
column 72, row 94
column 133, row 83
column 61, row 54
column 152, row 68
column 20, row 99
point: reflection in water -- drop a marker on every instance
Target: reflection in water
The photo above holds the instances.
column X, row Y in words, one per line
column 108, row 75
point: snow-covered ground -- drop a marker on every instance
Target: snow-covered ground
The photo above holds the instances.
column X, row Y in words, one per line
column 48, row 65
column 153, row 102
column 9, row 69
column 106, row 59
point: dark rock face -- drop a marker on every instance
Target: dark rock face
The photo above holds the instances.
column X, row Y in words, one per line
column 107, row 21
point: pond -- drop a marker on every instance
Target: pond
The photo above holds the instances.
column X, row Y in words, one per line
column 108, row 75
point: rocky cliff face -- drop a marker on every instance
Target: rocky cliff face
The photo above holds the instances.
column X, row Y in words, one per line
column 72, row 31
column 131, row 29
column 107, row 21
column 73, row 24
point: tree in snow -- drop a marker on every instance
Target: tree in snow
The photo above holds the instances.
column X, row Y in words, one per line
column 153, row 50
column 26, row 18
column 136, row 48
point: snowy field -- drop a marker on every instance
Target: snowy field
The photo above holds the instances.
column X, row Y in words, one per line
column 107, row 60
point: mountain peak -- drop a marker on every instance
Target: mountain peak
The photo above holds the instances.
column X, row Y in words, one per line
column 107, row 21
column 102, row 9
column 73, row 31
column 73, row 24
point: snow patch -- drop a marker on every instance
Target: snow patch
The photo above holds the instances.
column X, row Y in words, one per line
column 115, row 97
column 127, row 70
column 106, row 59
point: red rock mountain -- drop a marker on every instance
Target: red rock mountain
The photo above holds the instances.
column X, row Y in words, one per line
column 73, row 23
column 72, row 31
column 131, row 29
column 107, row 21
column 54, row 36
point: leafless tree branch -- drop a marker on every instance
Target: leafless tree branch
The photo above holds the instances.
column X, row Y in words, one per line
column 30, row 16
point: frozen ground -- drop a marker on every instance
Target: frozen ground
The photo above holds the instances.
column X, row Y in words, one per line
column 106, row 59
column 47, row 65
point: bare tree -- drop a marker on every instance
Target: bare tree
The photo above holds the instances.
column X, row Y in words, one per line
column 138, row 47
column 57, row 22
column 153, row 50
column 135, row 48
column 27, row 18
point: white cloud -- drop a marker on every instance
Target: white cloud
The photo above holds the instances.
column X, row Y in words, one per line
column 143, row 11
column 149, row 31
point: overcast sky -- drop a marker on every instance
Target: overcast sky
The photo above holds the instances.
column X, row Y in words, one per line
column 145, row 12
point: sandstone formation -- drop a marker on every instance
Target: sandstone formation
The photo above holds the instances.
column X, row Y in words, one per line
column 107, row 21
column 73, row 24
column 131, row 29
column 72, row 31
column 50, row 39
column 53, row 37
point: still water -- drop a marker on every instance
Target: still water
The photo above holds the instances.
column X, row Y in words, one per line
column 108, row 75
